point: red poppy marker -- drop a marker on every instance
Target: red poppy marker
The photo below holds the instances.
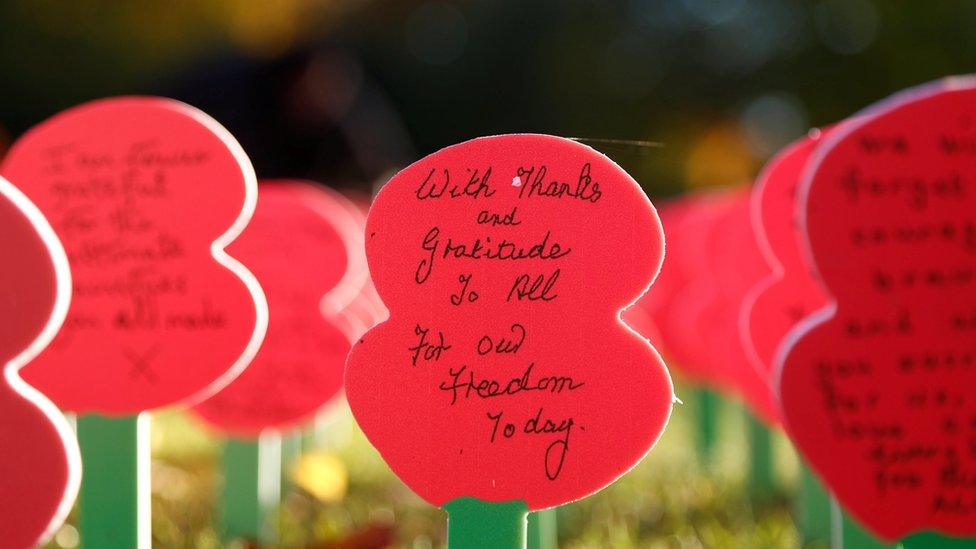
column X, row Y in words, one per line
column 653, row 314
column 789, row 292
column 298, row 245
column 734, row 262
column 681, row 326
column 876, row 389
column 145, row 193
column 786, row 294
column 301, row 245
column 39, row 464
column 504, row 380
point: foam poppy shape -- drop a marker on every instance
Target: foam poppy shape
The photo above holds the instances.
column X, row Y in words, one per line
column 735, row 264
column 39, row 459
column 504, row 372
column 788, row 292
column 300, row 245
column 877, row 388
column 683, row 321
column 145, row 193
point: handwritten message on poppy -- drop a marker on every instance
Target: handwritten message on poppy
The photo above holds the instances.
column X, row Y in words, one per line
column 144, row 193
column 504, row 372
column 876, row 390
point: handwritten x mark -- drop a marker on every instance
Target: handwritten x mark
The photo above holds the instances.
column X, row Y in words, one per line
column 140, row 363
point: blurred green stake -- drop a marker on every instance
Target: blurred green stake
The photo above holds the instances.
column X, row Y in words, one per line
column 476, row 524
column 708, row 403
column 761, row 469
column 813, row 509
column 291, row 452
column 931, row 540
column 848, row 534
column 542, row 532
column 114, row 502
column 252, row 488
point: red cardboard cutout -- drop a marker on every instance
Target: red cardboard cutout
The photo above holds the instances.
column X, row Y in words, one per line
column 504, row 372
column 878, row 388
column 144, row 193
column 39, row 463
column 736, row 265
column 298, row 245
column 789, row 292
column 681, row 325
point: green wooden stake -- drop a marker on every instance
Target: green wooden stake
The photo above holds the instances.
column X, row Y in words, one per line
column 931, row 540
column 476, row 524
column 813, row 508
column 761, row 470
column 707, row 420
column 848, row 534
column 542, row 532
column 252, row 488
column 291, row 451
column 115, row 501
column 309, row 438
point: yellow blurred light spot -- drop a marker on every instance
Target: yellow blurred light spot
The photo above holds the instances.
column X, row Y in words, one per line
column 720, row 156
column 322, row 475
column 269, row 27
column 67, row 537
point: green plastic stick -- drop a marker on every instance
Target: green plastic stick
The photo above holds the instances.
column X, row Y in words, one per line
column 310, row 440
column 476, row 524
column 761, row 470
column 542, row 532
column 114, row 502
column 707, row 419
column 848, row 534
column 252, row 488
column 813, row 508
column 854, row 536
column 291, row 451
column 932, row 540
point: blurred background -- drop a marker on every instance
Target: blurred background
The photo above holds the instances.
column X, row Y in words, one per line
column 347, row 91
